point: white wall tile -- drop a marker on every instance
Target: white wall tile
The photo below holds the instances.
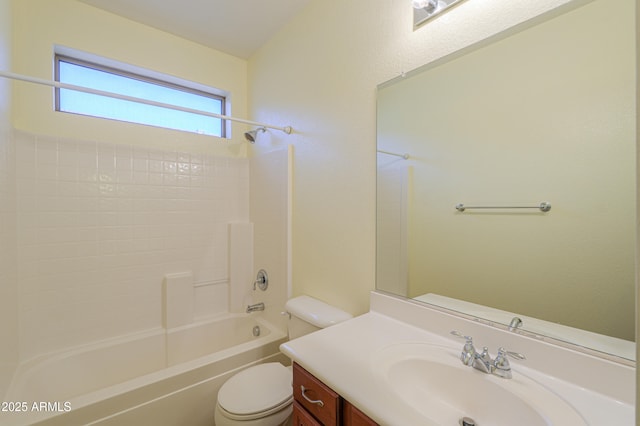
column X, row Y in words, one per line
column 99, row 225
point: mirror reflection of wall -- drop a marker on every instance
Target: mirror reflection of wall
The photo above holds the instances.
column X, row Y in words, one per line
column 547, row 114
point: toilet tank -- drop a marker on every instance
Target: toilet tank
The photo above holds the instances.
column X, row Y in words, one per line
column 308, row 314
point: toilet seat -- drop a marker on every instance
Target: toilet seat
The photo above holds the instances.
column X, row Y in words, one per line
column 256, row 392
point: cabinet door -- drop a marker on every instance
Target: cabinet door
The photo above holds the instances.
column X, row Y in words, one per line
column 318, row 399
column 301, row 417
column 354, row 417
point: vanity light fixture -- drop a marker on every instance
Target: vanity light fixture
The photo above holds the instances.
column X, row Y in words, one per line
column 423, row 10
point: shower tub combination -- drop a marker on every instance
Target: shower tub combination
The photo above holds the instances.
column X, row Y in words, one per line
column 164, row 377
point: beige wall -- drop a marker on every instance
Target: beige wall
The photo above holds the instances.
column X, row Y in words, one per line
column 8, row 287
column 319, row 74
column 40, row 25
column 269, row 213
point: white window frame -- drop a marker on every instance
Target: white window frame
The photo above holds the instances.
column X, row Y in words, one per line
column 128, row 71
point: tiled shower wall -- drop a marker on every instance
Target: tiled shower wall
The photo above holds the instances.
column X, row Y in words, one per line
column 99, row 225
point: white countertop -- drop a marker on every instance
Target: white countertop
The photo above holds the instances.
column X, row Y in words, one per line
column 342, row 357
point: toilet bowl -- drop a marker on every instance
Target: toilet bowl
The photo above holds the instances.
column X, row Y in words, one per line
column 262, row 395
column 257, row 396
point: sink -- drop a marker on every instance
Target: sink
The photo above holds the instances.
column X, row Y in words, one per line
column 431, row 380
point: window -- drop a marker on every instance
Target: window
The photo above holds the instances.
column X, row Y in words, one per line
column 95, row 76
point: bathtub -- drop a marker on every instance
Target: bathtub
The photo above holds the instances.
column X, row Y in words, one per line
column 164, row 377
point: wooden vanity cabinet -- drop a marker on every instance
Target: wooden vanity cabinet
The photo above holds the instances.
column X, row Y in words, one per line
column 351, row 416
column 315, row 404
column 301, row 417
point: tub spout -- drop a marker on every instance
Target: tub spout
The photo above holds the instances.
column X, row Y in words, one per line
column 256, row 307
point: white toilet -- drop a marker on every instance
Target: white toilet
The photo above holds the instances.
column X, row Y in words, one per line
column 262, row 395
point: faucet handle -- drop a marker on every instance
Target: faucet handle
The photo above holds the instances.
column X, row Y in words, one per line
column 460, row 335
column 262, row 280
column 468, row 351
column 501, row 365
column 515, row 355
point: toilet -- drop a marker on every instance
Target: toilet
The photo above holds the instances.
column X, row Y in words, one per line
column 262, row 395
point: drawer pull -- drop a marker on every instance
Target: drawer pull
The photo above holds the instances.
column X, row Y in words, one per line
column 312, row 401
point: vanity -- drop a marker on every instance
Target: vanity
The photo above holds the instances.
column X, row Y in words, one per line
column 399, row 364
column 317, row 404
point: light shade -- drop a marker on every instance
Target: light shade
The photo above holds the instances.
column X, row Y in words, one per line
column 423, row 10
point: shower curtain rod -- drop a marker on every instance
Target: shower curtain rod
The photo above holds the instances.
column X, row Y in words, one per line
column 57, row 84
column 404, row 156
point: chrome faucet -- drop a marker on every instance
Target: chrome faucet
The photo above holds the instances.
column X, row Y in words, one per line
column 255, row 307
column 482, row 360
column 515, row 323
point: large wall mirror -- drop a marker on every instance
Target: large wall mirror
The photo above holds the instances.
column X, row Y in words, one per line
column 545, row 114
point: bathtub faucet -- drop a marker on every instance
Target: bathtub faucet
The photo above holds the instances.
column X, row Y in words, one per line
column 256, row 307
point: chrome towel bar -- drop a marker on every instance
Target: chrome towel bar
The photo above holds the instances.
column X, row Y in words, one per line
column 543, row 207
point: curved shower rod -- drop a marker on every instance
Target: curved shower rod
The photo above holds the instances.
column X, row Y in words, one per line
column 57, row 84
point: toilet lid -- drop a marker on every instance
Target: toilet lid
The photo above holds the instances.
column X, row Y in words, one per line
column 257, row 389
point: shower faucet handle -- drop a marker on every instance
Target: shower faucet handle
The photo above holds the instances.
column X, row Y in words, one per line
column 262, row 280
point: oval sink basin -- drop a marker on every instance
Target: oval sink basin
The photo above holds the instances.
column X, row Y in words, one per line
column 432, row 381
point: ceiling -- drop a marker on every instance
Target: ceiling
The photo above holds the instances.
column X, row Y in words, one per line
column 236, row 27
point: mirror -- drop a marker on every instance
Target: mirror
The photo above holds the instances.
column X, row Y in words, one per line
column 546, row 114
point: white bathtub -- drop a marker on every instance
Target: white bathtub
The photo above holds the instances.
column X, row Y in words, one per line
column 157, row 377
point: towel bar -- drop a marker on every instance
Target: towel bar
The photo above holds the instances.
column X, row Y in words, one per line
column 543, row 207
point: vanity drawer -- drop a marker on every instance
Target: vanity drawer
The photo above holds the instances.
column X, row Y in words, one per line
column 301, row 417
column 354, row 417
column 315, row 397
